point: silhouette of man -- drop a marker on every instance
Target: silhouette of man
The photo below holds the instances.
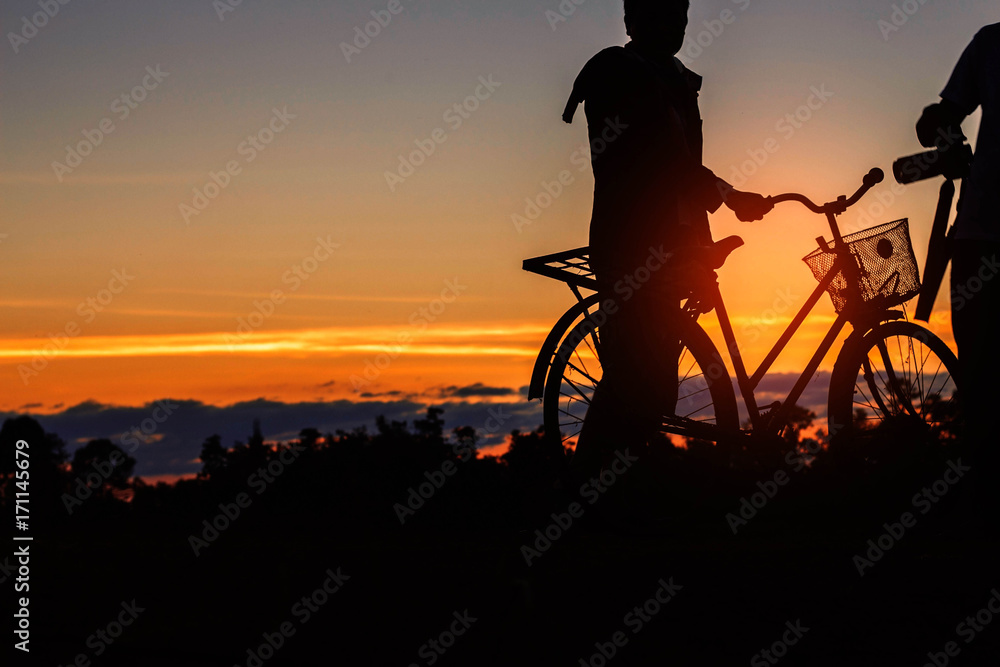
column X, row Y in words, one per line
column 652, row 196
column 975, row 284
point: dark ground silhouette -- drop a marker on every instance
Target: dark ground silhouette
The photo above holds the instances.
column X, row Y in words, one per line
column 338, row 510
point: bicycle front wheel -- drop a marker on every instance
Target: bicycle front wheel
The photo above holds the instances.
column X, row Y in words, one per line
column 706, row 402
column 895, row 386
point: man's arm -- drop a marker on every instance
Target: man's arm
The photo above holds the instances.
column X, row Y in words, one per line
column 712, row 192
column 958, row 99
column 748, row 206
column 941, row 119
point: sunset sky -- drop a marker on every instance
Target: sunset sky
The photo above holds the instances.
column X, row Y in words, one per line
column 307, row 262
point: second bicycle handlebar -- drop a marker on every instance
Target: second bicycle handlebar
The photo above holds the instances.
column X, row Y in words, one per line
column 871, row 179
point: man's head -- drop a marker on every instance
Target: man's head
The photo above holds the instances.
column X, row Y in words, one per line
column 657, row 24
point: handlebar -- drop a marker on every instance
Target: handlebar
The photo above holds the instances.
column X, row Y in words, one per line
column 871, row 179
column 802, row 199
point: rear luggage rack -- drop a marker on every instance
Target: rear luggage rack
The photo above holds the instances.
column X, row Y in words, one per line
column 569, row 266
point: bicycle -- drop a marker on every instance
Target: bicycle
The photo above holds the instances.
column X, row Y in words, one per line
column 881, row 378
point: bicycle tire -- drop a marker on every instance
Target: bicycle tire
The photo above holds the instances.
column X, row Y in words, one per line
column 575, row 371
column 889, row 381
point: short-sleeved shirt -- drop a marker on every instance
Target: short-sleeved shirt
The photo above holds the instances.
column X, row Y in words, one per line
column 650, row 188
column 974, row 83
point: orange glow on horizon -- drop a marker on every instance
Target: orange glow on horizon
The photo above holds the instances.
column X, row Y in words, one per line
column 319, row 364
column 339, row 341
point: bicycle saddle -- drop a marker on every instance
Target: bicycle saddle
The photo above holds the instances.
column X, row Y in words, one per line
column 714, row 256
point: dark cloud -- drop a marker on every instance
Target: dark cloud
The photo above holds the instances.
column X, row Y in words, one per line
column 89, row 406
column 473, row 390
column 395, row 393
column 172, row 431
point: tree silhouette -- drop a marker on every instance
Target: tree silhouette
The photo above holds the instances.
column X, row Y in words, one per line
column 391, row 429
column 431, row 428
column 244, row 458
column 46, row 448
column 213, row 456
column 310, row 438
column 256, row 439
column 47, row 453
column 465, row 440
column 799, row 419
column 105, row 461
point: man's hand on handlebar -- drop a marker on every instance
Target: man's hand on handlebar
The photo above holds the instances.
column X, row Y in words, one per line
column 748, row 206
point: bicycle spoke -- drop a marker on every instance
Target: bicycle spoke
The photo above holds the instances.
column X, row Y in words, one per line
column 592, row 348
column 694, row 412
column 934, row 376
column 694, row 393
column 688, row 372
column 570, row 436
column 918, row 372
column 876, row 384
column 570, row 414
column 586, row 399
column 582, row 368
column 903, row 363
column 936, row 372
column 892, row 378
column 582, row 372
column 860, row 390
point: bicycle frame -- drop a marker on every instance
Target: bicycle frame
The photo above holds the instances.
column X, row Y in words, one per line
column 748, row 382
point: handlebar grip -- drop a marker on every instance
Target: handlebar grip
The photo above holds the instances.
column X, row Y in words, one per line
column 874, row 177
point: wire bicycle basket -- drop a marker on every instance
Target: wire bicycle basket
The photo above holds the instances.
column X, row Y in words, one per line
column 888, row 274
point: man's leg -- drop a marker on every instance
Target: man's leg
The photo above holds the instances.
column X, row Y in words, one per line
column 620, row 414
column 975, row 309
column 639, row 386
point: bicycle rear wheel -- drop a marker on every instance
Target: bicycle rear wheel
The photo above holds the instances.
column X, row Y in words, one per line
column 706, row 403
column 894, row 387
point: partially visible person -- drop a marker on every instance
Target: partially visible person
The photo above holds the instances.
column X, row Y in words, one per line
column 652, row 196
column 975, row 272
